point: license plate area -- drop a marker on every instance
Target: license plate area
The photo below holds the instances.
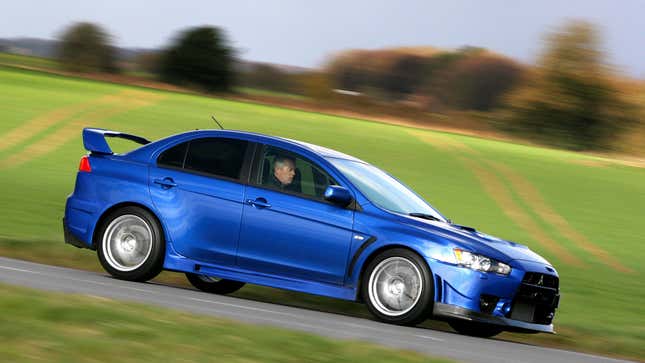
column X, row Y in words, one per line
column 523, row 312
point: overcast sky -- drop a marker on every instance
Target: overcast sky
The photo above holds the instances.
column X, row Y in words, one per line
column 305, row 33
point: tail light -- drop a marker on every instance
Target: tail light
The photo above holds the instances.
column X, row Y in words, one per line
column 85, row 164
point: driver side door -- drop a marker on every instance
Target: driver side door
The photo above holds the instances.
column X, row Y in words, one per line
column 294, row 232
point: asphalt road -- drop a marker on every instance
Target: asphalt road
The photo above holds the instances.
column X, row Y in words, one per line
column 426, row 341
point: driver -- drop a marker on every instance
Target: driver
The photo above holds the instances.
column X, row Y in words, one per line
column 284, row 170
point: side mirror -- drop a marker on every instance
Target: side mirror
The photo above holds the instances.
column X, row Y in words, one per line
column 338, row 195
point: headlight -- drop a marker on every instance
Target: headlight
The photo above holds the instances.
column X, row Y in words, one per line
column 480, row 263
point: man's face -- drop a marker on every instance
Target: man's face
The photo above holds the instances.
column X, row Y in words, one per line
column 285, row 172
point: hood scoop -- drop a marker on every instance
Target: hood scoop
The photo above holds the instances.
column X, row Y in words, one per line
column 464, row 228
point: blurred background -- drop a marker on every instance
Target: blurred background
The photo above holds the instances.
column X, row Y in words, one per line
column 522, row 119
column 569, row 76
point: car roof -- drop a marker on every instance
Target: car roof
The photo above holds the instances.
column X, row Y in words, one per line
column 143, row 153
column 264, row 138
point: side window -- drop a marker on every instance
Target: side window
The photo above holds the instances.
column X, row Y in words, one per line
column 216, row 156
column 173, row 157
column 289, row 172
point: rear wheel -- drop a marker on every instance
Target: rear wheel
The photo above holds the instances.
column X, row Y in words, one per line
column 130, row 244
column 397, row 287
column 213, row 284
column 474, row 329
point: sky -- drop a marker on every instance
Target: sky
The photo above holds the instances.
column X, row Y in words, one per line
column 306, row 33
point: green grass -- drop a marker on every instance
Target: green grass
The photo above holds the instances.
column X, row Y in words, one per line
column 601, row 310
column 28, row 61
column 262, row 92
column 38, row 326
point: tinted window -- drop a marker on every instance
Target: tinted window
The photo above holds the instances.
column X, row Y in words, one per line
column 216, row 156
column 174, row 156
column 288, row 172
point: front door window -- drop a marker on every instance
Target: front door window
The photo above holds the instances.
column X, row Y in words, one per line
column 291, row 173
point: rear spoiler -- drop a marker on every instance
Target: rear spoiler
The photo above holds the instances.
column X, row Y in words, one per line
column 94, row 139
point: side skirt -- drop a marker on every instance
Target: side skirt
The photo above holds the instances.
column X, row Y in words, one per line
column 179, row 263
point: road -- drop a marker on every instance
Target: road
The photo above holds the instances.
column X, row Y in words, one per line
column 425, row 341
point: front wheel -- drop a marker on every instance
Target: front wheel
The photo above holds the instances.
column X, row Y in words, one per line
column 213, row 284
column 475, row 329
column 397, row 287
column 131, row 245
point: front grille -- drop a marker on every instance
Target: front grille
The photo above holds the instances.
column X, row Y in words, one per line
column 536, row 299
column 538, row 279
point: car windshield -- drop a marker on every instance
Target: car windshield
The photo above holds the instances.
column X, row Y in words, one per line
column 385, row 191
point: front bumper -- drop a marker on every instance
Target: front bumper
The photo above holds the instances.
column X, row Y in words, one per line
column 525, row 300
column 447, row 311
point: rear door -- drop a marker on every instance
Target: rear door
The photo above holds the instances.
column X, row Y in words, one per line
column 290, row 230
column 198, row 189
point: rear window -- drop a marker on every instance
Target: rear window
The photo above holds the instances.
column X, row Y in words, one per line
column 173, row 157
column 216, row 156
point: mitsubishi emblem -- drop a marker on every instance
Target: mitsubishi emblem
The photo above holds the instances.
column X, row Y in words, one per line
column 541, row 281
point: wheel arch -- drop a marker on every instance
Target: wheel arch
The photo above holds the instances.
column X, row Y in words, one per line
column 108, row 211
column 373, row 254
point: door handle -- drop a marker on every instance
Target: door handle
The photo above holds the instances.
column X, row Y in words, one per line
column 258, row 203
column 165, row 183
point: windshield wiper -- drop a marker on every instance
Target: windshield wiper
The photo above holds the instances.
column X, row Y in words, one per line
column 425, row 216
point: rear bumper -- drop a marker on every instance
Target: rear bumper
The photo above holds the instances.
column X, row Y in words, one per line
column 79, row 217
column 71, row 239
column 447, row 311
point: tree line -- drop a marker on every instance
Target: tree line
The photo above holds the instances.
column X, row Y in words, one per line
column 468, row 78
column 198, row 57
column 569, row 99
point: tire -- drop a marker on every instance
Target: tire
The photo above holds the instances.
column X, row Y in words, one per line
column 475, row 329
column 213, row 285
column 398, row 288
column 131, row 245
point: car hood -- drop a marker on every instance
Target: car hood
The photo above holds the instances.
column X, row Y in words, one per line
column 478, row 242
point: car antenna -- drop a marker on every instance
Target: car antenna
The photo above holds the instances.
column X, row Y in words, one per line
column 217, row 122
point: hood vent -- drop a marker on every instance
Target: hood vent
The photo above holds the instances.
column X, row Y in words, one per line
column 464, row 228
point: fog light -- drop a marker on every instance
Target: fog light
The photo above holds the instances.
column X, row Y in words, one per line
column 487, row 303
column 506, row 308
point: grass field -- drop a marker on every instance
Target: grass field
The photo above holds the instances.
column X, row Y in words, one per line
column 28, row 61
column 261, row 92
column 580, row 212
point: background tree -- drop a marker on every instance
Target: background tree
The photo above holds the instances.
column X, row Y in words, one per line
column 86, row 47
column 148, row 62
column 386, row 74
column 404, row 76
column 467, row 78
column 317, row 86
column 352, row 70
column 477, row 82
column 200, row 57
column 570, row 100
column 268, row 77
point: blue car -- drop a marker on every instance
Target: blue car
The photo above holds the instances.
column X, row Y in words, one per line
column 230, row 207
